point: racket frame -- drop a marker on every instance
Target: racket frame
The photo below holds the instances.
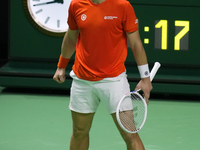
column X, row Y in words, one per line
column 152, row 74
column 118, row 111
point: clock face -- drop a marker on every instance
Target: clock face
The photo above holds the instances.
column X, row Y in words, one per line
column 49, row 15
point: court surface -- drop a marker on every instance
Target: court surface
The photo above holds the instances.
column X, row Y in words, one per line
column 40, row 120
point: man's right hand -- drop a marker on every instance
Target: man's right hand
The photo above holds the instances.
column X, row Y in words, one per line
column 59, row 76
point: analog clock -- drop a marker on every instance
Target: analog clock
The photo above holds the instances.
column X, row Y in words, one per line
column 48, row 16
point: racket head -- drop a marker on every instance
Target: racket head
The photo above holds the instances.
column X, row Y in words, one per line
column 131, row 112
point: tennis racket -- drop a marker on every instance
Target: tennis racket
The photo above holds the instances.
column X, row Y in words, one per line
column 131, row 111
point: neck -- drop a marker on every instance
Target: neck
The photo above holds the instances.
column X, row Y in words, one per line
column 97, row 1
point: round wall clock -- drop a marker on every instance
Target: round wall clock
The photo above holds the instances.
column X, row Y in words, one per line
column 48, row 16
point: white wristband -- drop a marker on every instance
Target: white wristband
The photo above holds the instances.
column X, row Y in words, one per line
column 144, row 71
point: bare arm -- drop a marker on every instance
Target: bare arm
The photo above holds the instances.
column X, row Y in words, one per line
column 69, row 43
column 141, row 59
column 67, row 50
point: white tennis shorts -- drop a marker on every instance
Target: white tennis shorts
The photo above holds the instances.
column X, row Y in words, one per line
column 85, row 96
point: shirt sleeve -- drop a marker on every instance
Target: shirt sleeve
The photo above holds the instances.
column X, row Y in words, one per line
column 130, row 21
column 71, row 17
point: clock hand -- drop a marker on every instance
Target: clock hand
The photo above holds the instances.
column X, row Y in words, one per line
column 55, row 1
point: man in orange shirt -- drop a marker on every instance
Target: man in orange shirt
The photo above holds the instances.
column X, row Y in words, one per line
column 98, row 31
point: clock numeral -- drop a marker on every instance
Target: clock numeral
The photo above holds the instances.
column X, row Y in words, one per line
column 47, row 20
column 58, row 23
column 164, row 25
column 181, row 34
column 181, row 39
column 39, row 11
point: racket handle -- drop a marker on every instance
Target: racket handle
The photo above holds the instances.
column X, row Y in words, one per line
column 152, row 74
column 154, row 70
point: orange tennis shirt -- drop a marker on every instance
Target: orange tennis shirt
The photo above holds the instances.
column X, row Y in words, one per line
column 101, row 48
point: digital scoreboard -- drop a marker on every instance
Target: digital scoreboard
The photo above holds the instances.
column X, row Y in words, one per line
column 169, row 31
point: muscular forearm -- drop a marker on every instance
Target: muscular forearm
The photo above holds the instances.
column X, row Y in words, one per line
column 137, row 48
column 139, row 54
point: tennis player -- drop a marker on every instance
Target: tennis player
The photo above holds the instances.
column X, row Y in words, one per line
column 98, row 32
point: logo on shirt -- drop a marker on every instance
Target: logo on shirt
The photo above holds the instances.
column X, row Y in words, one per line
column 136, row 21
column 110, row 17
column 83, row 17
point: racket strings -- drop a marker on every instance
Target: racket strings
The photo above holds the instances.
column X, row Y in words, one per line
column 136, row 100
column 132, row 119
column 127, row 121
